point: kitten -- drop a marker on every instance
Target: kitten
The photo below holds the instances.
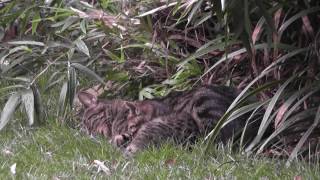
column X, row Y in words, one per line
column 98, row 115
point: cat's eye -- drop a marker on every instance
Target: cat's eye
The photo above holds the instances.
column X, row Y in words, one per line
column 132, row 129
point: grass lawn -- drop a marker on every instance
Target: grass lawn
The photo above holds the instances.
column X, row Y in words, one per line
column 58, row 152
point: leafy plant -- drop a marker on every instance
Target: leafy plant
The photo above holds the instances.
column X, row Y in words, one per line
column 267, row 49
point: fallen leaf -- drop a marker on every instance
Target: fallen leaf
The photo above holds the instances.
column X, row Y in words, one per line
column 297, row 178
column 13, row 168
column 102, row 167
column 278, row 120
column 170, row 162
column 7, row 152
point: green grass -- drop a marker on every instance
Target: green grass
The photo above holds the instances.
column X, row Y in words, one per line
column 54, row 151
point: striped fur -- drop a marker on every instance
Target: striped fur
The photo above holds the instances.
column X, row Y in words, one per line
column 180, row 116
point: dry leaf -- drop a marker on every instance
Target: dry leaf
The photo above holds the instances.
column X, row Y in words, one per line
column 297, row 178
column 7, row 152
column 13, row 168
column 280, row 114
column 102, row 167
column 170, row 162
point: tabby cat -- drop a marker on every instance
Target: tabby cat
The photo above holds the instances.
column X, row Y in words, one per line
column 117, row 120
column 180, row 116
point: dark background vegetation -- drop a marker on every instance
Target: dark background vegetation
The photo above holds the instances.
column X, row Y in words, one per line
column 143, row 49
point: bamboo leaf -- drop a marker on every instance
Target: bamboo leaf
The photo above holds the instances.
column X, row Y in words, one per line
column 9, row 109
column 304, row 138
column 157, row 9
column 72, row 84
column 62, row 99
column 214, row 133
column 12, row 87
column 82, row 47
column 28, row 101
column 38, row 104
column 266, row 118
column 211, row 46
column 113, row 56
column 68, row 22
column 194, row 10
column 35, row 22
column 52, row 78
column 266, row 15
column 88, row 72
column 284, row 26
column 292, row 120
column 35, row 43
column 285, row 111
column 83, row 26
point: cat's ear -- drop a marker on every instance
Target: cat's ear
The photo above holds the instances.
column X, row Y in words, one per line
column 87, row 99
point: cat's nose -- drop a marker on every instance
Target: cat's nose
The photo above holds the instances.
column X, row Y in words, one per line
column 119, row 140
column 130, row 151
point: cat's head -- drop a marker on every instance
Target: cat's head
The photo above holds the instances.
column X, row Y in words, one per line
column 87, row 99
column 126, row 123
column 96, row 116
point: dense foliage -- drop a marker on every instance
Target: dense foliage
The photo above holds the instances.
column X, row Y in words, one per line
column 268, row 49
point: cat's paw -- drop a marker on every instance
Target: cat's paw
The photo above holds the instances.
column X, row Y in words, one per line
column 117, row 140
column 120, row 140
column 104, row 130
column 130, row 151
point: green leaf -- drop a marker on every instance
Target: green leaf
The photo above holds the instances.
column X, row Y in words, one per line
column 88, row 72
column 68, row 22
column 53, row 83
column 194, row 10
column 38, row 105
column 266, row 120
column 82, row 47
column 304, row 138
column 214, row 133
column 117, row 76
column 9, row 109
column 28, row 101
column 289, row 121
column 13, row 50
column 146, row 93
column 313, row 88
column 113, row 56
column 284, row 26
column 35, row 22
column 72, row 84
column 266, row 15
column 243, row 110
column 62, row 99
column 216, row 44
column 35, row 43
column 52, row 78
column 157, row 9
column 83, row 26
column 203, row 19
column 11, row 87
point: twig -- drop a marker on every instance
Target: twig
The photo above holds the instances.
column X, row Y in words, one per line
column 45, row 69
